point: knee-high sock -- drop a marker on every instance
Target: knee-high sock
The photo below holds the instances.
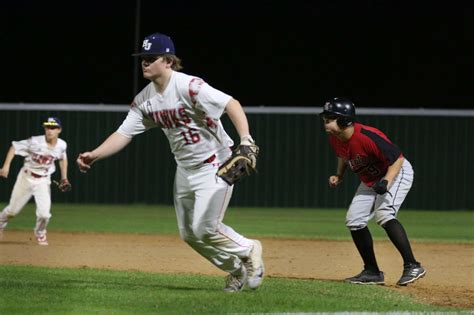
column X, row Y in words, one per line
column 399, row 238
column 365, row 245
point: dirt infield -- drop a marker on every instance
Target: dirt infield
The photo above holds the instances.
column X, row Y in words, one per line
column 449, row 280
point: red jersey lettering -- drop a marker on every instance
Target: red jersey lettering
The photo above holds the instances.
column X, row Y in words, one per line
column 211, row 123
column 42, row 159
column 171, row 118
column 185, row 118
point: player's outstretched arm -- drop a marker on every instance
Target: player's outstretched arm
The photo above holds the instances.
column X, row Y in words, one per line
column 8, row 160
column 113, row 144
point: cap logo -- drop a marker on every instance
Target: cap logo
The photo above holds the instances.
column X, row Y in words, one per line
column 326, row 106
column 52, row 122
column 146, row 44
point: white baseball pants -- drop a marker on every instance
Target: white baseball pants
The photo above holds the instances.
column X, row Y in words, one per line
column 201, row 199
column 367, row 204
column 25, row 187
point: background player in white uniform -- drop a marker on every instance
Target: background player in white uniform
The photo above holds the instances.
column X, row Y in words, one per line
column 188, row 110
column 34, row 178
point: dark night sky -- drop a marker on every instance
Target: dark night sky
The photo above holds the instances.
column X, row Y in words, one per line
column 377, row 53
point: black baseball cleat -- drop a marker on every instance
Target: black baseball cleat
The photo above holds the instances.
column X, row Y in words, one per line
column 411, row 273
column 367, row 277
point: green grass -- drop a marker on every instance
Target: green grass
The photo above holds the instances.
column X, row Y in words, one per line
column 439, row 226
column 35, row 290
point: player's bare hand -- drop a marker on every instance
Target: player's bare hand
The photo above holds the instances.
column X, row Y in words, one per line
column 4, row 172
column 334, row 181
column 84, row 161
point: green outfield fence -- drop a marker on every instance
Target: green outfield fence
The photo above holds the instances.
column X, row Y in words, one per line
column 294, row 164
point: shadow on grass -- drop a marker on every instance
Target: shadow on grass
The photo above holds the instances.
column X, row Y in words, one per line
column 112, row 285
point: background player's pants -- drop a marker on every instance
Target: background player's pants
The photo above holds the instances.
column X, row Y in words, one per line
column 367, row 204
column 25, row 187
column 201, row 199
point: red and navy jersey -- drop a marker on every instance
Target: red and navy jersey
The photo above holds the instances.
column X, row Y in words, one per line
column 368, row 153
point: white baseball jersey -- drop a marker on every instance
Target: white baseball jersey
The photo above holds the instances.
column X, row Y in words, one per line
column 188, row 112
column 39, row 157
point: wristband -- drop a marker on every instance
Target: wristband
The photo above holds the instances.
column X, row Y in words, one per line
column 247, row 140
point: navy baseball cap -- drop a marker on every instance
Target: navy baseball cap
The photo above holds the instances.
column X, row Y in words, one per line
column 156, row 44
column 52, row 122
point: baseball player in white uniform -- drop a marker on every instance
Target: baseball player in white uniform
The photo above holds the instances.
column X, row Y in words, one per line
column 34, row 178
column 188, row 110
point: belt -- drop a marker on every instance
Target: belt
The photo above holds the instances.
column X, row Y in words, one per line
column 34, row 174
column 210, row 159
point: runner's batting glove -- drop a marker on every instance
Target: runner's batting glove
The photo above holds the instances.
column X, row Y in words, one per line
column 380, row 187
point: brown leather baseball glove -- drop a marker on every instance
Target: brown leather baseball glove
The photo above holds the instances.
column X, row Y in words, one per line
column 242, row 163
column 64, row 185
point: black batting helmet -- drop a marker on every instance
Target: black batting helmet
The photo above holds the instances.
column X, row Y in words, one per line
column 341, row 109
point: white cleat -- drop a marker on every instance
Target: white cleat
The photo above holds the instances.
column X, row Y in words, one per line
column 42, row 240
column 254, row 265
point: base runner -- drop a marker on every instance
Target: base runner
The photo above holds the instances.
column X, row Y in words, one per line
column 386, row 178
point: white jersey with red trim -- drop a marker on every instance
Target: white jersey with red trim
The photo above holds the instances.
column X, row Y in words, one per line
column 188, row 112
column 39, row 157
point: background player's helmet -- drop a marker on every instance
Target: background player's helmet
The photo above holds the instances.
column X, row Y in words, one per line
column 341, row 109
